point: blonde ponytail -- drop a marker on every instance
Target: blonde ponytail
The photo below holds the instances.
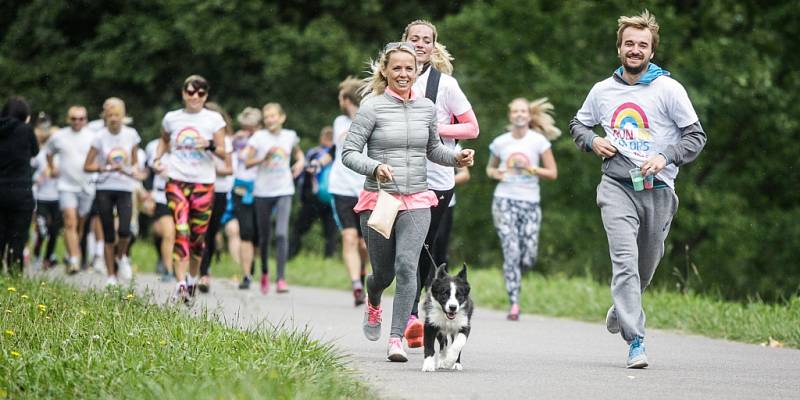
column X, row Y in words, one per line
column 542, row 120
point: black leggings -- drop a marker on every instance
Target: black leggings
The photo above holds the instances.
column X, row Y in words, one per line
column 217, row 211
column 442, row 242
column 425, row 267
column 49, row 222
column 311, row 210
column 107, row 200
column 16, row 212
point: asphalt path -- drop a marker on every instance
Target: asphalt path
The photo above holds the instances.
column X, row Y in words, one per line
column 534, row 358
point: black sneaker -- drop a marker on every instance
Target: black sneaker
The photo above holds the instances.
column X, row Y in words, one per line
column 245, row 283
column 358, row 294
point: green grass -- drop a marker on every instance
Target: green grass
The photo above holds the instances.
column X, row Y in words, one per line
column 576, row 298
column 59, row 342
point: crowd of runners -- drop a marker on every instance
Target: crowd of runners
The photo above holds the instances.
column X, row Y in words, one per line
column 207, row 177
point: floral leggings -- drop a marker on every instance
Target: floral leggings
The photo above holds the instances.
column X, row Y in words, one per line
column 191, row 210
column 517, row 223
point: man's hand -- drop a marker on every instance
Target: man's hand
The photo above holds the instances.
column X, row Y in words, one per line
column 654, row 165
column 603, row 148
column 384, row 173
column 465, row 158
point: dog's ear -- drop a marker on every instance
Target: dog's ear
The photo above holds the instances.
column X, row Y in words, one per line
column 463, row 273
column 441, row 271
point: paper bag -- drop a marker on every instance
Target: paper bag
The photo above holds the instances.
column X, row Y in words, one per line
column 384, row 214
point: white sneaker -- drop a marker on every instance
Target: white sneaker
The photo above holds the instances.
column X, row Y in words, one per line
column 125, row 272
column 395, row 353
column 111, row 281
column 99, row 265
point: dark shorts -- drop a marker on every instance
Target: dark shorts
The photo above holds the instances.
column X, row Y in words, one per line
column 343, row 212
column 162, row 210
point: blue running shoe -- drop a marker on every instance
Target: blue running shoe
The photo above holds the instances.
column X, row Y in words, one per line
column 637, row 358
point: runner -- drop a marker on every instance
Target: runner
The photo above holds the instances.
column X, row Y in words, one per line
column 399, row 129
column 17, row 147
column 193, row 136
column 345, row 185
column 456, row 121
column 222, row 187
column 520, row 158
column 114, row 154
column 75, row 189
column 164, row 226
column 48, row 216
column 244, row 180
column 270, row 149
column 651, row 129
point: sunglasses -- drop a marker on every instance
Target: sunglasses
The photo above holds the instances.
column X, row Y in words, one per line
column 399, row 45
column 199, row 92
column 77, row 118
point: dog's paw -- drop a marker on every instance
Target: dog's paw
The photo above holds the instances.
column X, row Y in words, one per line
column 429, row 365
column 457, row 367
column 447, row 362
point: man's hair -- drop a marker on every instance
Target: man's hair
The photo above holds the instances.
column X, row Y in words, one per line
column 350, row 90
column 645, row 20
column 16, row 107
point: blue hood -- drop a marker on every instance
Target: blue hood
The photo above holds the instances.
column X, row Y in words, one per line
column 653, row 72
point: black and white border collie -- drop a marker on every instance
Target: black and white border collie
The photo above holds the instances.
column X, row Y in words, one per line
column 448, row 311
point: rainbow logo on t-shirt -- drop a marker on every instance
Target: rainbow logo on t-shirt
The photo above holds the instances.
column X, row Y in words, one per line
column 116, row 156
column 275, row 157
column 187, row 138
column 630, row 122
column 518, row 164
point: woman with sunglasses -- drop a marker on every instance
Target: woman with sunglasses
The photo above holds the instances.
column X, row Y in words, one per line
column 193, row 136
column 399, row 129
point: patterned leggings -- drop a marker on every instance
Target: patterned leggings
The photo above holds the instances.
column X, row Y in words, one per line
column 191, row 210
column 517, row 223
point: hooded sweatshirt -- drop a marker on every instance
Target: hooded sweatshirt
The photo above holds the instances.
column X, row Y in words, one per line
column 17, row 146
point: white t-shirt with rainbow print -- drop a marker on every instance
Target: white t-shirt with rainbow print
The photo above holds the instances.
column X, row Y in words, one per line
column 640, row 120
column 187, row 163
column 517, row 157
column 113, row 150
column 274, row 176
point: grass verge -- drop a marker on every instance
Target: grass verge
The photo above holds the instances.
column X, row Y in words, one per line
column 59, row 342
column 575, row 298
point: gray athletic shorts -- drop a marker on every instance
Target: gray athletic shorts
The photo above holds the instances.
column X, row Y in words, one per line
column 80, row 201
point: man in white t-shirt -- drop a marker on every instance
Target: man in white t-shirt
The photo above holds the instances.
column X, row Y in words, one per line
column 76, row 191
column 455, row 121
column 344, row 184
column 650, row 126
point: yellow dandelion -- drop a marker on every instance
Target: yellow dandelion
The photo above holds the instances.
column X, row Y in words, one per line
column 130, row 296
column 162, row 342
column 83, row 312
column 24, row 296
column 46, row 317
column 15, row 354
column 9, row 332
column 44, row 283
column 8, row 311
column 42, row 308
column 12, row 289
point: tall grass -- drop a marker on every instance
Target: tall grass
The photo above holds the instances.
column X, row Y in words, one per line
column 58, row 342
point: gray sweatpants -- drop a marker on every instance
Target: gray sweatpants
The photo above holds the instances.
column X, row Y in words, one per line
column 637, row 224
column 397, row 256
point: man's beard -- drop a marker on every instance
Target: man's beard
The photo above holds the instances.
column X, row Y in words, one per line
column 634, row 70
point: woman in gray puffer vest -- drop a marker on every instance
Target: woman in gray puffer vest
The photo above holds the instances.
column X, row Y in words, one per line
column 399, row 130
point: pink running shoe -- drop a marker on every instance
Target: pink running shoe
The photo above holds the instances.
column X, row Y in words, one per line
column 396, row 352
column 513, row 314
column 372, row 322
column 282, row 286
column 264, row 284
column 415, row 332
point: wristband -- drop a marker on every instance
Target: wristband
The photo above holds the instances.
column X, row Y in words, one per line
column 211, row 146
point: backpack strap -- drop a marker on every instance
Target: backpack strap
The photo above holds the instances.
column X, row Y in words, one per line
column 432, row 88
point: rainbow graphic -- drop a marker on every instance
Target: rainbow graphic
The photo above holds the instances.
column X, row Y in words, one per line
column 518, row 164
column 631, row 122
column 116, row 156
column 275, row 157
column 187, row 137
